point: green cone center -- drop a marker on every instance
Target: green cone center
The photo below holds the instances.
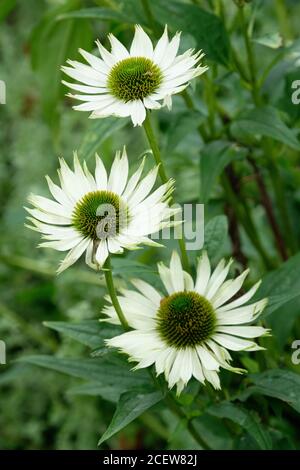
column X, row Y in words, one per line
column 100, row 215
column 185, row 319
column 134, row 78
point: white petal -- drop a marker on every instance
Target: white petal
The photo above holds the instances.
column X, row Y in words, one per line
column 170, row 52
column 118, row 174
column 100, row 174
column 73, row 255
column 244, row 314
column 47, row 205
column 49, row 218
column 165, row 276
column 228, row 290
column 207, row 359
column 203, row 274
column 95, row 62
column 101, row 253
column 217, row 278
column 138, row 112
column 176, row 272
column 235, row 344
column 243, row 331
column 148, row 291
column 161, row 47
column 149, row 103
column 109, row 59
column 114, row 246
column 133, row 180
column 241, row 300
column 86, row 89
column 117, row 48
column 141, row 45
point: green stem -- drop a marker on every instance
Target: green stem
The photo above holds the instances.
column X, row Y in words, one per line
column 154, row 147
column 172, row 404
column 250, row 56
column 163, row 176
column 283, row 19
column 282, row 204
column 113, row 295
column 244, row 216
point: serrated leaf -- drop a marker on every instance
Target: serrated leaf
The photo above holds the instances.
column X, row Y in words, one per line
column 107, row 371
column 207, row 29
column 215, row 234
column 265, row 122
column 130, row 406
column 281, row 285
column 91, row 333
column 243, row 418
column 107, row 392
column 277, row 383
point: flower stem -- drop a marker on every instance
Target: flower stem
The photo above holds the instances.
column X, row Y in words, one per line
column 154, row 147
column 113, row 295
column 163, row 176
column 250, row 56
column 172, row 404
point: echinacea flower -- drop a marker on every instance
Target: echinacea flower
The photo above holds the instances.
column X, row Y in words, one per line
column 100, row 214
column 188, row 331
column 126, row 83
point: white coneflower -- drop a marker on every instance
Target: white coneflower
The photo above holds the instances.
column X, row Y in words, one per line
column 100, row 214
column 125, row 83
column 188, row 331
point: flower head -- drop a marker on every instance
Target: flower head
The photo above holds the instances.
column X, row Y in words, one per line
column 188, row 331
column 100, row 214
column 126, row 83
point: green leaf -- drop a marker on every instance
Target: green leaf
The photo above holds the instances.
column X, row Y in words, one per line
column 57, row 41
column 265, row 122
column 243, row 418
column 284, row 282
column 92, row 333
column 277, row 383
column 207, row 29
column 100, row 130
column 214, row 158
column 181, row 125
column 215, row 234
column 97, row 13
column 107, row 371
column 130, row 406
column 108, row 392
